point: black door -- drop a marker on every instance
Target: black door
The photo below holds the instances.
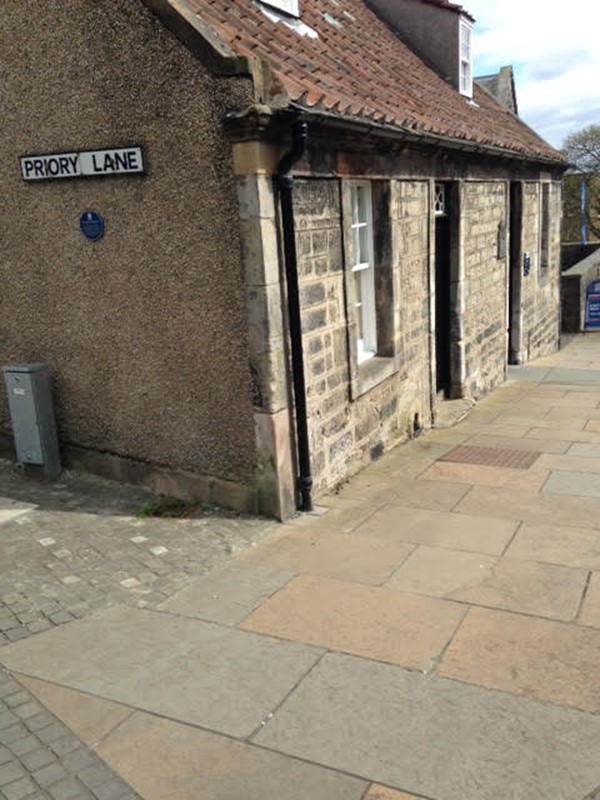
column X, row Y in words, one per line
column 514, row 272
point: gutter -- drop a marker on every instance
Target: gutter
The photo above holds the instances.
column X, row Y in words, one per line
column 285, row 184
column 366, row 128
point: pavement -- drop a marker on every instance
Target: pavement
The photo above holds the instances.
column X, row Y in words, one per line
column 432, row 631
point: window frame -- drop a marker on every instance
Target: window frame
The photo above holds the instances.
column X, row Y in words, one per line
column 465, row 58
column 364, row 307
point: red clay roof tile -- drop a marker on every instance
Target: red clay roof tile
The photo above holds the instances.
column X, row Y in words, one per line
column 358, row 66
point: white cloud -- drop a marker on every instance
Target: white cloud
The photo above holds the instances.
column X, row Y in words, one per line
column 554, row 50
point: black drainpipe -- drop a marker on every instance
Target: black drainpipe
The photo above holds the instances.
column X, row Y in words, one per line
column 285, row 184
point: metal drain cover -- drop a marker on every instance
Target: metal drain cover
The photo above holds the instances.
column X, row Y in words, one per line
column 492, row 456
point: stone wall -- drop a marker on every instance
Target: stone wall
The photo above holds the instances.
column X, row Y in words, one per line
column 483, row 207
column 545, row 330
column 540, row 289
column 357, row 412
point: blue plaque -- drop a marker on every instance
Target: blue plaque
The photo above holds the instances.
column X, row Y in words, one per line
column 592, row 306
column 91, row 225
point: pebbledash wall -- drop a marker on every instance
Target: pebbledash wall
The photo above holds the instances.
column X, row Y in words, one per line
column 145, row 331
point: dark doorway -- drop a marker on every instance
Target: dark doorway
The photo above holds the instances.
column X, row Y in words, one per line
column 514, row 272
column 443, row 249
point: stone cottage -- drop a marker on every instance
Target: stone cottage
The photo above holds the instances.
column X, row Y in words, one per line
column 259, row 243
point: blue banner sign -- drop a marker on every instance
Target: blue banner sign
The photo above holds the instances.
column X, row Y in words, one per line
column 592, row 306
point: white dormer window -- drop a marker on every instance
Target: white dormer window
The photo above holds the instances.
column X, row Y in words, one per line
column 465, row 77
column 290, row 7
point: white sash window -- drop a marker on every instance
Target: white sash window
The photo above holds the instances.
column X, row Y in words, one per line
column 363, row 270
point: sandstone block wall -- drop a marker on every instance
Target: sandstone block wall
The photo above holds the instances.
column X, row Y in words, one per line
column 540, row 297
column 483, row 207
column 357, row 412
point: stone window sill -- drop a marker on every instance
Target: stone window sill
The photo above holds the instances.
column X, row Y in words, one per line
column 373, row 372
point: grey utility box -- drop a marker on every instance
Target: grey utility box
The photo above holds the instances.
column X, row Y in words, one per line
column 32, row 415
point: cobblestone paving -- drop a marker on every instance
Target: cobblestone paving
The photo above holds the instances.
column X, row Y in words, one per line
column 40, row 759
column 75, row 546
column 67, row 549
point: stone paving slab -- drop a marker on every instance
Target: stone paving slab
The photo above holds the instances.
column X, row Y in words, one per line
column 522, row 425
column 564, row 414
column 557, row 544
column 398, row 458
column 537, row 509
column 41, row 759
column 419, row 455
column 474, row 533
column 580, row 388
column 544, row 590
column 90, row 718
column 523, row 374
column 582, row 484
column 197, row 672
column 572, row 376
column 435, row 737
column 590, row 612
column 527, row 656
column 431, row 495
column 502, row 428
column 227, row 594
column 583, row 449
column 343, row 516
column 414, row 467
column 540, row 432
column 330, row 555
column 568, row 463
column 384, row 793
column 440, row 572
column 577, row 402
column 205, row 766
column 541, row 391
column 381, row 624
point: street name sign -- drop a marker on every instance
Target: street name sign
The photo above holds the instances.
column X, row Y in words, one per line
column 83, row 164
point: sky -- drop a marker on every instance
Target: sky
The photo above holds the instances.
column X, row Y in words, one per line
column 554, row 49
